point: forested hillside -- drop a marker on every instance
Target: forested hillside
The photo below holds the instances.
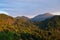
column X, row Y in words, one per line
column 22, row 28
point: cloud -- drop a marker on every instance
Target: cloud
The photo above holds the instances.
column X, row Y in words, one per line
column 56, row 13
column 4, row 12
column 29, row 7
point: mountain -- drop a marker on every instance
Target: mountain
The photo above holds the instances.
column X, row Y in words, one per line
column 22, row 19
column 53, row 22
column 42, row 17
column 5, row 19
column 20, row 28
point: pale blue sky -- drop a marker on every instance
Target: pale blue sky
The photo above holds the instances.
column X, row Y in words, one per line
column 29, row 8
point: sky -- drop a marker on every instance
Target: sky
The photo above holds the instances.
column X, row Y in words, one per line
column 29, row 8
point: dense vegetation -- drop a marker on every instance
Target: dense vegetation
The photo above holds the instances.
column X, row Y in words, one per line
column 21, row 28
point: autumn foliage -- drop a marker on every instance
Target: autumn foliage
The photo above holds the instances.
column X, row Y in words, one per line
column 23, row 28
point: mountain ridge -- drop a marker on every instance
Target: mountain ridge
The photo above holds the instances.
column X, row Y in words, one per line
column 20, row 29
column 42, row 17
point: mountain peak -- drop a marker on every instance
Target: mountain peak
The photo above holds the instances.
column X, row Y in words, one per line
column 6, row 19
column 48, row 14
column 2, row 14
column 42, row 17
column 21, row 17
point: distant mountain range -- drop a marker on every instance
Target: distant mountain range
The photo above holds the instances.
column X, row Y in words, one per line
column 42, row 17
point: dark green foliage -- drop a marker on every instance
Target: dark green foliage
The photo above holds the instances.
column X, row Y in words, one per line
column 7, row 35
column 53, row 22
